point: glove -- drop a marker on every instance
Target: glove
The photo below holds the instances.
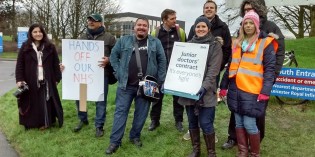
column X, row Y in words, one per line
column 262, row 97
column 222, row 92
column 202, row 91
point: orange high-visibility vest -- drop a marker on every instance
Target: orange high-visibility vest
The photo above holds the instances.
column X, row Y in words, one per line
column 248, row 68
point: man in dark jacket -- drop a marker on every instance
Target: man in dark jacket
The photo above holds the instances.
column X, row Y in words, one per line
column 168, row 33
column 273, row 30
column 219, row 28
column 96, row 31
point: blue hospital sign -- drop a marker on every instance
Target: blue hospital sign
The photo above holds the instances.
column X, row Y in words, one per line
column 22, row 35
column 295, row 83
column 1, row 42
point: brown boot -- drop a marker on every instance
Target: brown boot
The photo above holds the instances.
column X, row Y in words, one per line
column 254, row 142
column 195, row 141
column 242, row 142
column 210, row 143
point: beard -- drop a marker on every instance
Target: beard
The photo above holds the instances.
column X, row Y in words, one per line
column 140, row 36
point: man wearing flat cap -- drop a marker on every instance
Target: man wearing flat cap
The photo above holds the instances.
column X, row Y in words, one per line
column 96, row 31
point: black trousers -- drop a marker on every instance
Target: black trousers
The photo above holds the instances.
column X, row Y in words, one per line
column 260, row 122
column 178, row 110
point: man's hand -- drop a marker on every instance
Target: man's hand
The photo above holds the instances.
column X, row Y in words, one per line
column 103, row 62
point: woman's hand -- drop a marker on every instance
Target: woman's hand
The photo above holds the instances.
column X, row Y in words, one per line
column 62, row 67
column 20, row 83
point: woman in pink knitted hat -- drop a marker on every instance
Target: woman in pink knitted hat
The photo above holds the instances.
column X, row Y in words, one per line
column 249, row 80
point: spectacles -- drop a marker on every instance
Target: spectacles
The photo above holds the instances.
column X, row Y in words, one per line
column 91, row 20
column 247, row 9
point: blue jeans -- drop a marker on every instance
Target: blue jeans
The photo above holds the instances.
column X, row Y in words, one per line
column 100, row 114
column 249, row 123
column 124, row 98
column 205, row 118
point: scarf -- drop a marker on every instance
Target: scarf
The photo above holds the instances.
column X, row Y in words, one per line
column 96, row 31
column 40, row 74
column 248, row 48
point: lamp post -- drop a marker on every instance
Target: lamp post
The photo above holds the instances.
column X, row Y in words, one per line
column 229, row 19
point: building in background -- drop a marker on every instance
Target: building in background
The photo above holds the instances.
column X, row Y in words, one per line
column 121, row 24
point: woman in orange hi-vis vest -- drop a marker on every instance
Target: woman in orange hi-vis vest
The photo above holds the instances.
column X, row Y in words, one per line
column 249, row 80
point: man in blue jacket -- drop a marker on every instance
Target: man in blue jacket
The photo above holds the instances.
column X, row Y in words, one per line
column 123, row 60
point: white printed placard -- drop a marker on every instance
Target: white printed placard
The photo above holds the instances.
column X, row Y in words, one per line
column 80, row 58
column 186, row 69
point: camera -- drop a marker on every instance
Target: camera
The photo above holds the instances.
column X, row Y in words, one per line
column 22, row 89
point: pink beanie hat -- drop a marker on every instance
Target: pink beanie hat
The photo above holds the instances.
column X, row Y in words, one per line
column 253, row 16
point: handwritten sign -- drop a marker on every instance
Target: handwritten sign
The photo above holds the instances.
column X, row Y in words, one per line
column 186, row 69
column 295, row 83
column 80, row 58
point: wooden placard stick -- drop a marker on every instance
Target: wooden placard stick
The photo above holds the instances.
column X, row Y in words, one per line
column 83, row 97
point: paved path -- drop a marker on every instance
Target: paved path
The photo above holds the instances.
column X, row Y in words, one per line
column 7, row 82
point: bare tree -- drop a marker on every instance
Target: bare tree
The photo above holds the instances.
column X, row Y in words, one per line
column 67, row 18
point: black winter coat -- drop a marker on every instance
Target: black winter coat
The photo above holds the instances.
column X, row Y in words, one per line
column 31, row 110
column 270, row 27
column 218, row 28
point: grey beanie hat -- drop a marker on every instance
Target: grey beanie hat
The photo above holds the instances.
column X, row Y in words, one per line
column 203, row 19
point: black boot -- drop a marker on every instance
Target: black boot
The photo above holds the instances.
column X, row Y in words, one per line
column 210, row 143
column 80, row 125
column 195, row 141
column 154, row 124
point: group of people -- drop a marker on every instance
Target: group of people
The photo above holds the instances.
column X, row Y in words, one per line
column 254, row 60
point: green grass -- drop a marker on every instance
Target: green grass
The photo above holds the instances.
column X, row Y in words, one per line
column 304, row 51
column 7, row 38
column 289, row 129
column 8, row 55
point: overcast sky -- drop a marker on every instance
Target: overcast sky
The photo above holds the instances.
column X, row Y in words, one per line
column 187, row 10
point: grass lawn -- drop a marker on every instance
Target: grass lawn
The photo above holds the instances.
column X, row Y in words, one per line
column 289, row 129
column 8, row 55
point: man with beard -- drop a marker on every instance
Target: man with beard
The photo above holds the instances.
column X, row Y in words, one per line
column 124, row 62
column 168, row 33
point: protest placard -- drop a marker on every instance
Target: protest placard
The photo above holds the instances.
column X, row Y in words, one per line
column 186, row 69
column 80, row 58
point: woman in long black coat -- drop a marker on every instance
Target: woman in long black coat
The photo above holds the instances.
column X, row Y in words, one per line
column 38, row 67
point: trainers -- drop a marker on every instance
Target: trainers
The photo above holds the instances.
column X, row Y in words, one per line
column 111, row 149
column 99, row 132
column 137, row 142
column 154, row 124
column 186, row 136
column 230, row 143
column 179, row 126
